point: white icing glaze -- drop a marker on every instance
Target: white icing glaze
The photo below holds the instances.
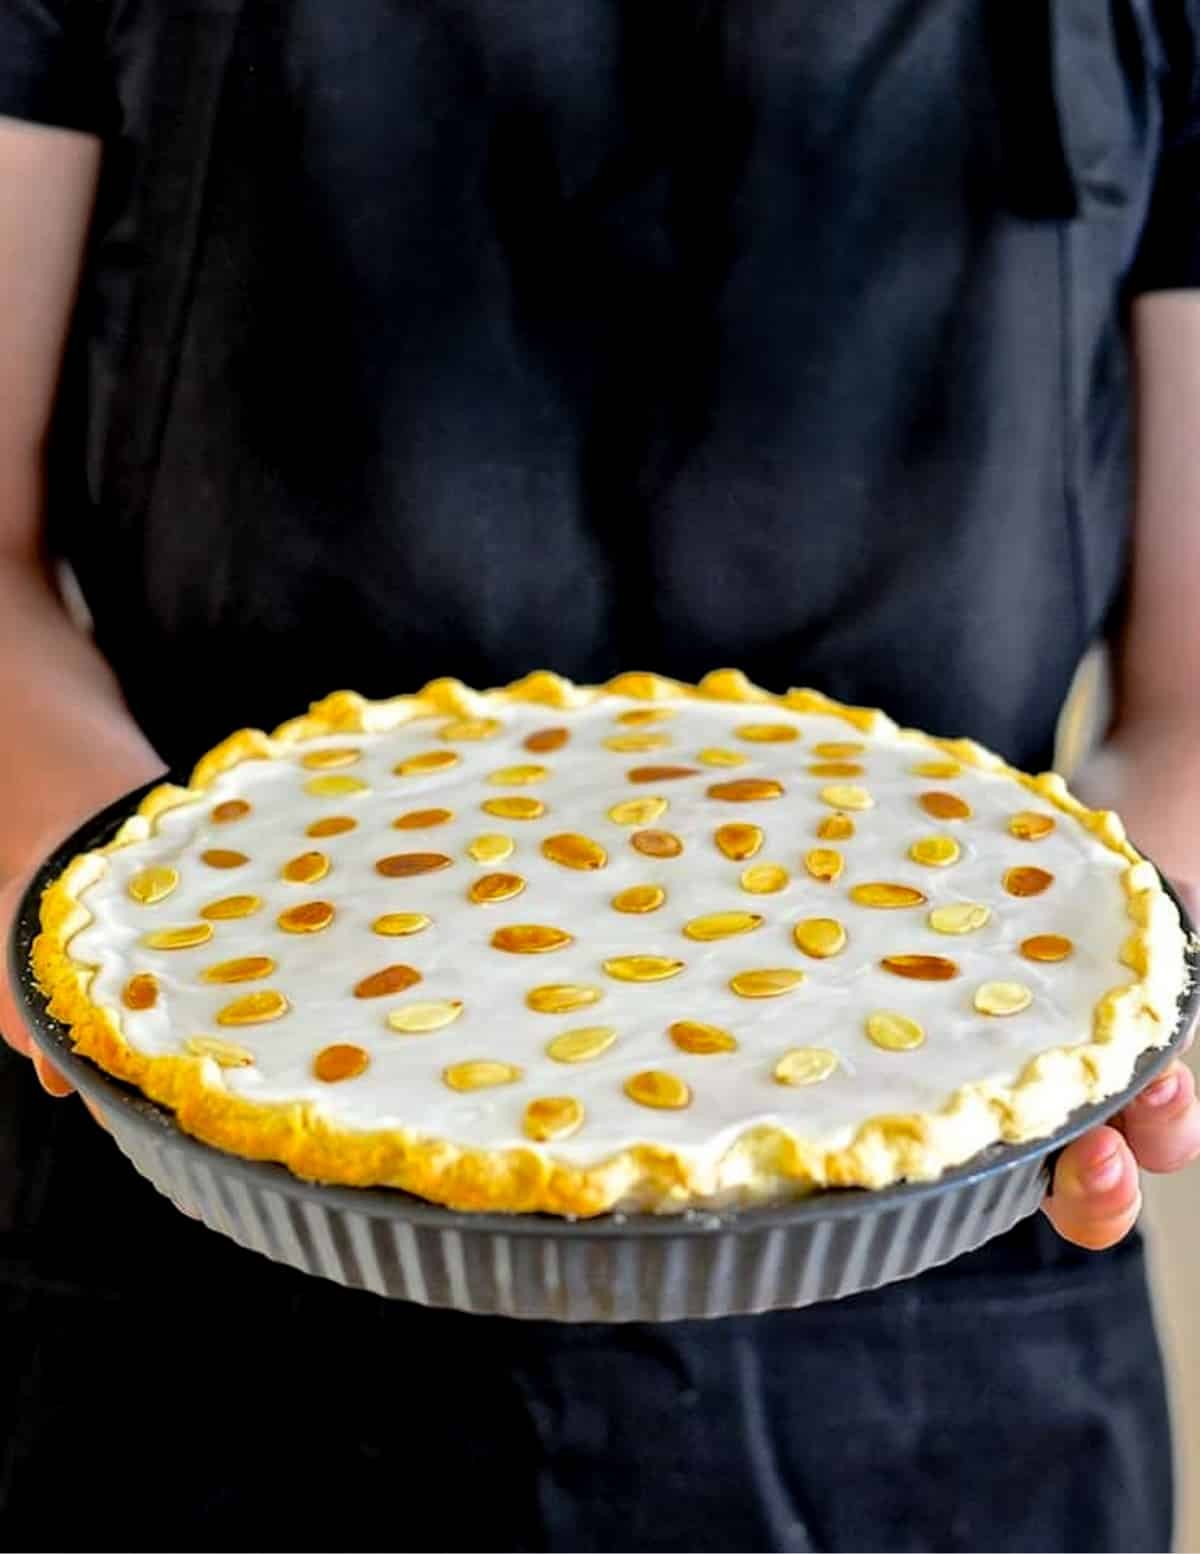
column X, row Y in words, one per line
column 403, row 1087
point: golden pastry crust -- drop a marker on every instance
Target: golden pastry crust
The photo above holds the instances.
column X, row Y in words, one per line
column 764, row 1162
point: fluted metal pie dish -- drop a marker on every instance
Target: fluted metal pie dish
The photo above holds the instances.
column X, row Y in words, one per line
column 611, row 1268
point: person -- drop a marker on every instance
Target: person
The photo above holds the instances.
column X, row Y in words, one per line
column 350, row 345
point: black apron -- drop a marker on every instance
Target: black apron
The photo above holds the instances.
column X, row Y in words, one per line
column 427, row 337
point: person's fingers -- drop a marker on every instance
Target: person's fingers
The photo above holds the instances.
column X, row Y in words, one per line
column 97, row 1114
column 13, row 1025
column 12, row 1022
column 1096, row 1195
column 13, row 1032
column 1162, row 1124
column 1189, row 894
column 52, row 1082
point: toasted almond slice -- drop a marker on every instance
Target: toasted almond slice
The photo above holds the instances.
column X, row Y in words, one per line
column 543, row 740
column 768, row 982
column 514, row 806
column 230, row 907
column 491, row 848
column 763, row 879
column 637, row 812
column 894, row 1032
column 717, row 757
column 1027, row 881
column 417, row 1019
column 660, row 773
column 141, row 991
column 230, row 810
column 960, row 917
column 836, row 828
column 389, row 980
column 244, row 968
column 573, row 851
column 805, row 1066
column 739, row 841
column 638, row 717
column 254, row 1008
column 1002, row 998
column 153, row 884
column 581, row 1045
column 305, row 868
column 1031, row 826
column 1047, row 947
column 887, row 896
column 223, row 858
column 824, row 863
column 562, row 997
column 341, row 1061
column 838, row 749
column 427, row 761
column 470, row 729
column 820, row 937
column 334, row 787
column 480, row 1074
column 490, row 888
column 331, row 825
column 398, row 925
column 405, row 865
column 721, row 925
column 308, row 917
column 768, row 733
column 944, row 806
column 422, row 819
column 836, row 769
column 642, row 968
column 325, row 760
column 921, row 968
column 639, row 898
column 746, row 790
column 530, row 938
column 656, row 844
column 846, row 795
column 552, row 1117
column 225, row 1054
column 935, row 852
column 662, row 1091
column 940, row 771
column 516, row 776
column 627, row 744
column 702, row 1040
column 185, row 937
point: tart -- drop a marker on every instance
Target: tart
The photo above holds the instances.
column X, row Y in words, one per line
column 644, row 946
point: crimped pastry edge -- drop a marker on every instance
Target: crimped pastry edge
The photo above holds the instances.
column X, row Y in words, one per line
column 764, row 1163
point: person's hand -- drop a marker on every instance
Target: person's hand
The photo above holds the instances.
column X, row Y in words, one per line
column 1096, row 1194
column 74, row 780
column 12, row 1021
column 102, row 787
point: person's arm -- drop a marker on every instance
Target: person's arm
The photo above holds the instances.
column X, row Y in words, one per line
column 1149, row 766
column 67, row 742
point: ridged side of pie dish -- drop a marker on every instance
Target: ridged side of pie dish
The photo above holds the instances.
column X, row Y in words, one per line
column 756, row 1164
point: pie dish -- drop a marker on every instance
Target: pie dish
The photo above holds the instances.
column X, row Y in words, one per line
column 642, row 946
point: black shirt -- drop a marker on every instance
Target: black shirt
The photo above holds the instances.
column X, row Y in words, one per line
column 424, row 337
column 471, row 336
